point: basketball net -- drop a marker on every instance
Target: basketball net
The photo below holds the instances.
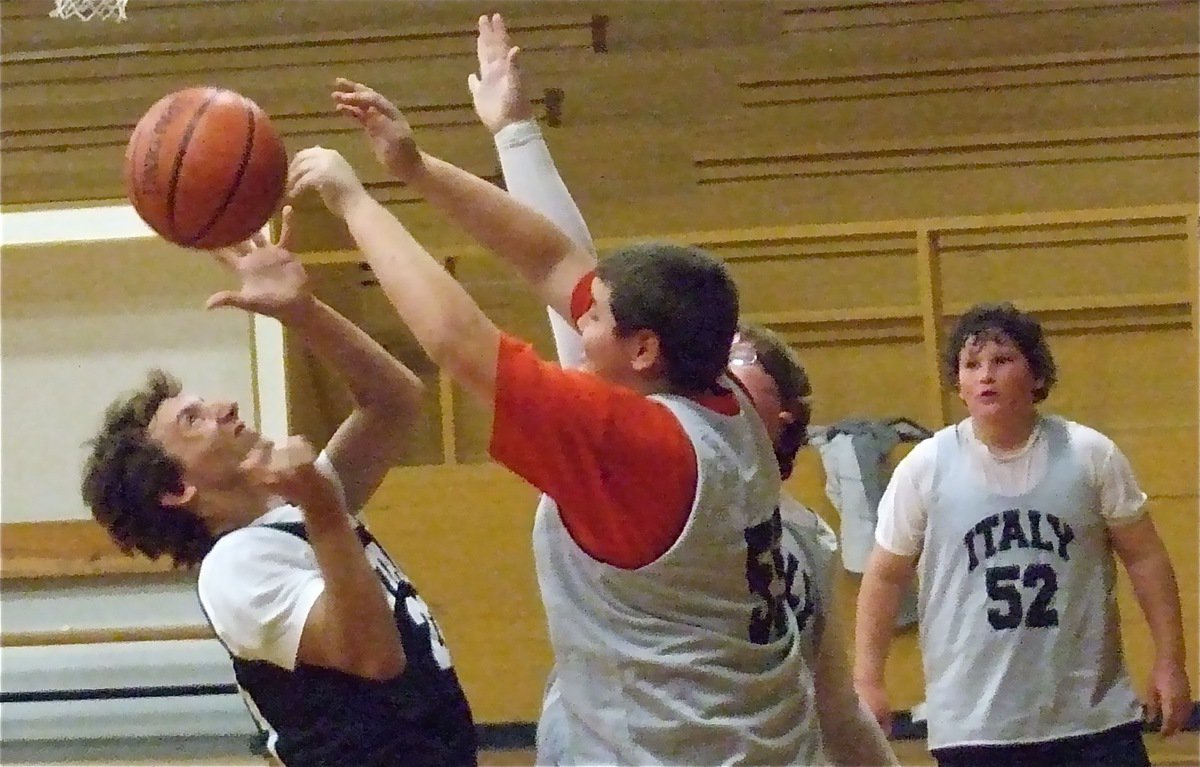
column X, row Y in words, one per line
column 86, row 10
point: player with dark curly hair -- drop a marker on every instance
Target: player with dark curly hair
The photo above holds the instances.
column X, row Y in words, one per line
column 337, row 656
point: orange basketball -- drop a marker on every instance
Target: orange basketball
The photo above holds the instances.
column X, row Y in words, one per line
column 205, row 168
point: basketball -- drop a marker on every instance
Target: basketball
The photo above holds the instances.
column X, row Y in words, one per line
column 205, row 168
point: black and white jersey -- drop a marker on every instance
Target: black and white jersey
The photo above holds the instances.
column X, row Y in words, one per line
column 257, row 587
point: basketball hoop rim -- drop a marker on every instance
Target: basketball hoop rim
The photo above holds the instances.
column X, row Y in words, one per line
column 89, row 10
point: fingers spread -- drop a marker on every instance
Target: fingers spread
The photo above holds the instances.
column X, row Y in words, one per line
column 350, row 111
column 360, row 99
column 223, row 298
column 348, row 86
column 299, row 171
column 285, row 229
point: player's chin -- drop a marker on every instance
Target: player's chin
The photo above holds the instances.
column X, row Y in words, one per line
column 251, row 443
column 985, row 406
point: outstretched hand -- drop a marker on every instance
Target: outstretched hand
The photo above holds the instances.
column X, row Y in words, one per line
column 387, row 130
column 499, row 97
column 273, row 282
column 326, row 172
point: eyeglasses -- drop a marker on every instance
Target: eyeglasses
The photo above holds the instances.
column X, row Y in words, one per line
column 742, row 352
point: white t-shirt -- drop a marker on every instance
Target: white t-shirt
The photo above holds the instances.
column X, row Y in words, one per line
column 257, row 587
column 905, row 505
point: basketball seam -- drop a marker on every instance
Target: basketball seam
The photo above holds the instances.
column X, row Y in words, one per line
column 247, row 150
column 135, row 151
column 177, row 168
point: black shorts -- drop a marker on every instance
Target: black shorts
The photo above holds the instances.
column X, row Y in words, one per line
column 1120, row 746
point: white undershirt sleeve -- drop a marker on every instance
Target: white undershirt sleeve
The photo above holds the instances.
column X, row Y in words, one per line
column 532, row 177
column 1121, row 499
column 568, row 344
column 257, row 586
column 904, row 507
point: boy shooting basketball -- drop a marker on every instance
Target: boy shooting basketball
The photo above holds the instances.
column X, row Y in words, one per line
column 336, row 654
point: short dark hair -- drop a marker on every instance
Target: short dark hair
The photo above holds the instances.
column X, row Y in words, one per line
column 1022, row 328
column 782, row 363
column 126, row 474
column 683, row 295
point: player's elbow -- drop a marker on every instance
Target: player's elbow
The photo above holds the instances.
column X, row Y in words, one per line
column 468, row 351
column 381, row 666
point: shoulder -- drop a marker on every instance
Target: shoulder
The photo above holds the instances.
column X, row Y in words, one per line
column 805, row 522
column 250, row 555
column 922, row 458
column 1092, row 447
column 1082, row 438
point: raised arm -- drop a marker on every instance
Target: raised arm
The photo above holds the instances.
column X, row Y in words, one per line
column 350, row 626
column 529, row 171
column 444, row 319
column 504, row 108
column 385, row 393
column 544, row 256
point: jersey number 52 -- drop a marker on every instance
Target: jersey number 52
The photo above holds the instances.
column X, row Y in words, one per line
column 1008, row 609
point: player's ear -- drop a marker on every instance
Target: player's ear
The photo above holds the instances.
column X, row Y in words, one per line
column 179, row 498
column 646, row 350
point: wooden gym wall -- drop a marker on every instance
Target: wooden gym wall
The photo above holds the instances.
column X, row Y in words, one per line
column 867, row 169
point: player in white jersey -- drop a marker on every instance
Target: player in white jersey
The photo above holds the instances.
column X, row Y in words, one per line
column 1011, row 519
column 778, row 385
column 657, row 539
column 336, row 654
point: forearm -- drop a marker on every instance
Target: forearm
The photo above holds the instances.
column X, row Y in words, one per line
column 442, row 316
column 532, row 178
column 378, row 382
column 360, row 630
column 875, row 618
column 852, row 736
column 1157, row 593
column 543, row 255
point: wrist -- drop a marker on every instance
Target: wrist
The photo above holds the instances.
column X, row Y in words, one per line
column 417, row 172
column 405, row 158
column 517, row 133
column 352, row 201
column 297, row 311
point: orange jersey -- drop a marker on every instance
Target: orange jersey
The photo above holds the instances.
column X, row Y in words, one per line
column 618, row 464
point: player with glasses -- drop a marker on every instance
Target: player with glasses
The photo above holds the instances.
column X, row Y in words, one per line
column 778, row 385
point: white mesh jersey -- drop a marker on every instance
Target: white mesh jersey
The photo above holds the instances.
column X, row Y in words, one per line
column 810, row 552
column 1019, row 631
column 694, row 658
